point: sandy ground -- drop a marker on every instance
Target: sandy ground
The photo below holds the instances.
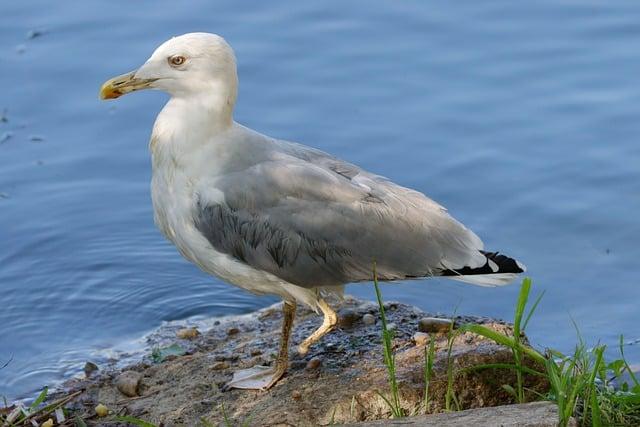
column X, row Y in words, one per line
column 341, row 380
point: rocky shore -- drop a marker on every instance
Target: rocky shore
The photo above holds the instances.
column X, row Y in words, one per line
column 341, row 380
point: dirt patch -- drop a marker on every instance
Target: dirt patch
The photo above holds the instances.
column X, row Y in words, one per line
column 338, row 381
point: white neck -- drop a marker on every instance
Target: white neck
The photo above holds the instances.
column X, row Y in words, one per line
column 195, row 117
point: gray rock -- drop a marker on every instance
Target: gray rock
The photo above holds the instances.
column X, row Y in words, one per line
column 90, row 368
column 128, row 383
column 434, row 324
column 537, row 414
column 346, row 318
column 314, row 363
column 368, row 319
column 392, row 327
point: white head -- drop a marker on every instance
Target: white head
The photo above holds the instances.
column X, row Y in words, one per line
column 194, row 66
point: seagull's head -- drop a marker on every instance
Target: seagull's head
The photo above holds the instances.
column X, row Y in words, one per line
column 189, row 65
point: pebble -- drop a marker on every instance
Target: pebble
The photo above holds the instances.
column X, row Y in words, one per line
column 220, row 365
column 90, row 368
column 314, row 363
column 369, row 319
column 232, row 331
column 346, row 318
column 434, row 324
column 420, row 338
column 392, row 326
column 188, row 333
column 48, row 423
column 256, row 352
column 128, row 383
column 296, row 395
column 101, row 410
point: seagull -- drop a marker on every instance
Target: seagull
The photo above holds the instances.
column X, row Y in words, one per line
column 280, row 218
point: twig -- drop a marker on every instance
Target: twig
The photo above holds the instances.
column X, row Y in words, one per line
column 49, row 409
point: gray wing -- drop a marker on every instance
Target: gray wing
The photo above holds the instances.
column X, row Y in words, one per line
column 314, row 220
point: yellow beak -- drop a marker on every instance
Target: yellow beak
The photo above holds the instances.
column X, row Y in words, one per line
column 123, row 84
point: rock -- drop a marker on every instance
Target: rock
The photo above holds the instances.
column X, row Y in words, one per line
column 128, row 383
column 90, row 368
column 368, row 319
column 101, row 410
column 314, row 363
column 346, row 318
column 219, row 366
column 256, row 352
column 232, row 331
column 392, row 327
column 188, row 333
column 341, row 383
column 420, row 338
column 434, row 324
column 537, row 414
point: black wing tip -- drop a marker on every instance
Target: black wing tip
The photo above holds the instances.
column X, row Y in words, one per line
column 504, row 263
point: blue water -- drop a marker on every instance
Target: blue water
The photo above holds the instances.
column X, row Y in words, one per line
column 521, row 118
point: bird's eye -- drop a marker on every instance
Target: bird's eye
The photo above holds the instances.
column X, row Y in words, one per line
column 177, row 60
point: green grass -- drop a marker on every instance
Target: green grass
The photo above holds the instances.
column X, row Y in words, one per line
column 450, row 396
column 580, row 383
column 429, row 357
column 389, row 357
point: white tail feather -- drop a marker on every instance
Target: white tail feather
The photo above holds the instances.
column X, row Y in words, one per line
column 490, row 280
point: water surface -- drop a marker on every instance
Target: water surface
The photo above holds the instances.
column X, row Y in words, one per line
column 521, row 118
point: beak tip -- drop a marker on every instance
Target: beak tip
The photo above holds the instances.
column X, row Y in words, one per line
column 108, row 92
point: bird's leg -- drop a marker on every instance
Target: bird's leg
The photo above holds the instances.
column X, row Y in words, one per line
column 263, row 377
column 330, row 320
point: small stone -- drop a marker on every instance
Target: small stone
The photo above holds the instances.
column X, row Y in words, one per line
column 296, row 395
column 48, row 423
column 392, row 327
column 346, row 318
column 314, row 363
column 369, row 319
column 232, row 331
column 90, row 368
column 256, row 352
column 128, row 383
column 420, row 338
column 188, row 333
column 218, row 366
column 434, row 324
column 101, row 410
